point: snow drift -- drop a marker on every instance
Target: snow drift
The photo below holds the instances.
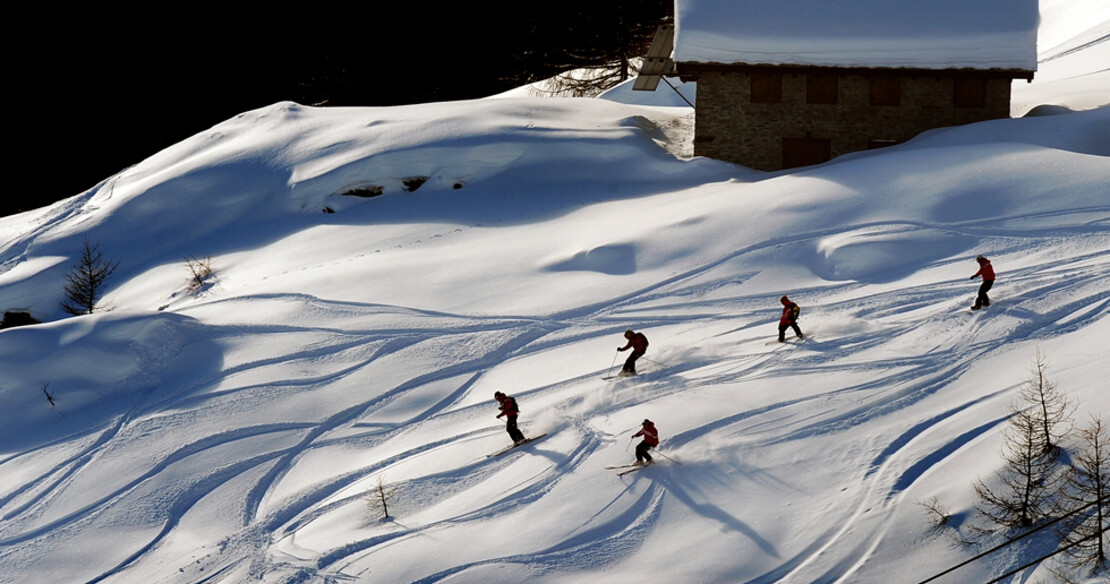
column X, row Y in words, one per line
column 231, row 433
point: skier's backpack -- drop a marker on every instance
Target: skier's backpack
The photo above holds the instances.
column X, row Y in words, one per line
column 797, row 311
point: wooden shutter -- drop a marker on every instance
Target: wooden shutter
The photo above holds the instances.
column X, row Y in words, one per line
column 886, row 91
column 822, row 89
column 766, row 88
column 805, row 151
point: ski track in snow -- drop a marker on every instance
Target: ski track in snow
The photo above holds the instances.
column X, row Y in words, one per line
column 1033, row 302
column 247, row 469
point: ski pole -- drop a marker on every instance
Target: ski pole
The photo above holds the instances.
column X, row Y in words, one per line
column 667, row 457
column 614, row 363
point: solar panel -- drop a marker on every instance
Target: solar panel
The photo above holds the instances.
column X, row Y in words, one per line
column 658, row 61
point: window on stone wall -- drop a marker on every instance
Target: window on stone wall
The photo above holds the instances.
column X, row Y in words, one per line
column 886, row 91
column 766, row 87
column 970, row 92
column 805, row 151
column 822, row 89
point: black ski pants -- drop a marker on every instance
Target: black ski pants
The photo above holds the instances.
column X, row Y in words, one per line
column 981, row 299
column 514, row 432
column 630, row 363
column 783, row 327
column 642, row 452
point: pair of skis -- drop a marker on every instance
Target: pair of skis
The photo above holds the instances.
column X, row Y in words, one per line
column 790, row 341
column 517, row 445
column 623, row 469
column 618, row 375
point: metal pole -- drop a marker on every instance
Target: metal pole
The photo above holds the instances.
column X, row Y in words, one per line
column 679, row 93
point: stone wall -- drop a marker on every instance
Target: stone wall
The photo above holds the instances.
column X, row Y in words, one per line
column 730, row 127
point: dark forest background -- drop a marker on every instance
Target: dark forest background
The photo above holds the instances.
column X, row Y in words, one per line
column 101, row 92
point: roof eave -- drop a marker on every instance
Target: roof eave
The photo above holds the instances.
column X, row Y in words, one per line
column 691, row 70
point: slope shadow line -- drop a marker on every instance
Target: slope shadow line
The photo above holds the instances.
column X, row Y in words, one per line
column 174, row 457
column 595, row 548
column 714, row 513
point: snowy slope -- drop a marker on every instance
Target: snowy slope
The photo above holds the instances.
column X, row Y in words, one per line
column 1073, row 44
column 231, row 434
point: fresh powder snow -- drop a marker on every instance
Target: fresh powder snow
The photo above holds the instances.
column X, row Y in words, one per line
column 378, row 273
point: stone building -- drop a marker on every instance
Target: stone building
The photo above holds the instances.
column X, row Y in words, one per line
column 786, row 83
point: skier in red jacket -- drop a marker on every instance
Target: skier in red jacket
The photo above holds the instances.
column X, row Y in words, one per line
column 789, row 318
column 651, row 440
column 987, row 273
column 510, row 410
column 639, row 344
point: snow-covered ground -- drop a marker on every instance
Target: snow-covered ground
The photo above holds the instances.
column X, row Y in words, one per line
column 232, row 433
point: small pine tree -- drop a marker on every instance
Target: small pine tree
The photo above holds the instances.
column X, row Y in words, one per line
column 1028, row 481
column 1051, row 408
column 1040, row 419
column 85, row 282
column 378, row 497
column 1084, row 534
column 938, row 513
column 200, row 270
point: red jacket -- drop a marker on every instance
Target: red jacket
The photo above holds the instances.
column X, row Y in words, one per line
column 638, row 342
column 650, row 434
column 985, row 270
column 508, row 407
column 788, row 312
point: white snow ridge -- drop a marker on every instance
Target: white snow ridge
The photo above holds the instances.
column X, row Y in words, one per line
column 378, row 273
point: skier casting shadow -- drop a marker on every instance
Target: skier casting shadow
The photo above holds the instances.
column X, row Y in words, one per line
column 510, row 411
column 639, row 344
column 789, row 319
column 651, row 440
column 987, row 273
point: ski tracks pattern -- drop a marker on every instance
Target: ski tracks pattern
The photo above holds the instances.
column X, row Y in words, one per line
column 432, row 414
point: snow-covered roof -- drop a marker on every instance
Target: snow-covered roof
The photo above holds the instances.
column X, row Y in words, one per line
column 927, row 34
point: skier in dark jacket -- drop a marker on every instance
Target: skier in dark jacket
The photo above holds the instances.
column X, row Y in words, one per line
column 987, row 273
column 651, row 440
column 789, row 319
column 639, row 344
column 510, row 411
